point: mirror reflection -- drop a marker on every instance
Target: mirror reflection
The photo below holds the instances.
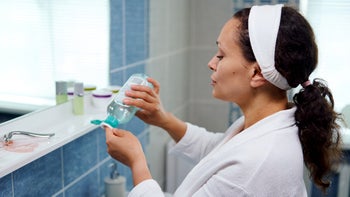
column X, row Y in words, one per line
column 46, row 41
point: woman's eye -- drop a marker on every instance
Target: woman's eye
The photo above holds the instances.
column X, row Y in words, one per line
column 219, row 57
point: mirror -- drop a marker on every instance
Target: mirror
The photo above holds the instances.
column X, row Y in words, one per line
column 45, row 41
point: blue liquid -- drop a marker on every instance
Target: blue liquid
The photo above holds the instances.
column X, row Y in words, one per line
column 121, row 112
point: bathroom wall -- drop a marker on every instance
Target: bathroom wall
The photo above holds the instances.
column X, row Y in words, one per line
column 79, row 167
column 182, row 36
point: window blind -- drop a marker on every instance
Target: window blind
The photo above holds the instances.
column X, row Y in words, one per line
column 330, row 20
column 45, row 41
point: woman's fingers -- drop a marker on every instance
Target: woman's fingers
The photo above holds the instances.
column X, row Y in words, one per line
column 156, row 85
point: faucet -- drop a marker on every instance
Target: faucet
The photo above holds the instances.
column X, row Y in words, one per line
column 7, row 137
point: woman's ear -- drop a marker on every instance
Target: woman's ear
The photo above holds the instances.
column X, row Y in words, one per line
column 257, row 79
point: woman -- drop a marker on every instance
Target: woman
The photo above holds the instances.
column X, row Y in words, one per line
column 262, row 52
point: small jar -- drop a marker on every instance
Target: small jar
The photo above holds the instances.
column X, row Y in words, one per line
column 70, row 93
column 100, row 99
column 88, row 89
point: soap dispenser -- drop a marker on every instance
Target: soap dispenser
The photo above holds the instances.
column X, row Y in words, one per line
column 115, row 183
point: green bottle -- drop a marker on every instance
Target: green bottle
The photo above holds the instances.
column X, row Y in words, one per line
column 78, row 100
column 61, row 92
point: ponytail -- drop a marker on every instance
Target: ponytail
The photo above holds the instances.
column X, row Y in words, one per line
column 318, row 130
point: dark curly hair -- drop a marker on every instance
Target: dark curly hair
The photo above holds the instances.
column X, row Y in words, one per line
column 296, row 56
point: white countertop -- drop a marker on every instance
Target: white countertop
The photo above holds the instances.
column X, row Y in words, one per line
column 59, row 120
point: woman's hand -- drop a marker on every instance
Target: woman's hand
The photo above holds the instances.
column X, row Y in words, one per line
column 152, row 111
column 148, row 100
column 125, row 147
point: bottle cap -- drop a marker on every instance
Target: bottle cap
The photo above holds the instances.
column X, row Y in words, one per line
column 88, row 88
column 114, row 89
column 61, row 87
column 79, row 89
column 110, row 122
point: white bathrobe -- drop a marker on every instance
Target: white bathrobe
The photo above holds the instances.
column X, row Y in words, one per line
column 263, row 160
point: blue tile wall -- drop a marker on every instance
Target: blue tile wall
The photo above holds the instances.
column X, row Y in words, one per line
column 79, row 167
column 46, row 170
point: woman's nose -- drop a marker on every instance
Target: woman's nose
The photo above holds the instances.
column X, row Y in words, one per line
column 212, row 63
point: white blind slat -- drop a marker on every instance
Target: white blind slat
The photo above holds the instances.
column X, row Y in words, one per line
column 45, row 41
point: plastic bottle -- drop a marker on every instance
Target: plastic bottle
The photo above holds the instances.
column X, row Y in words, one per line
column 117, row 111
column 78, row 100
column 61, row 92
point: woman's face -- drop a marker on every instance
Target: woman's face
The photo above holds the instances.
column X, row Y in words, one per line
column 230, row 77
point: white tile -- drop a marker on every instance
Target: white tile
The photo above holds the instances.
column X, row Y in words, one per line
column 208, row 17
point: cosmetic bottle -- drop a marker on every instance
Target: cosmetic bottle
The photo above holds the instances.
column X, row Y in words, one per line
column 88, row 89
column 78, row 100
column 115, row 183
column 117, row 111
column 61, row 92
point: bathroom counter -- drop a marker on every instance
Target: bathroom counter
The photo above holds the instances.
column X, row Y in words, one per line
column 57, row 119
column 66, row 126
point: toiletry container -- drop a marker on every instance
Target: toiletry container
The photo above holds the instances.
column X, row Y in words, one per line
column 114, row 89
column 78, row 100
column 117, row 111
column 101, row 99
column 61, row 92
column 115, row 183
column 88, row 89
column 70, row 92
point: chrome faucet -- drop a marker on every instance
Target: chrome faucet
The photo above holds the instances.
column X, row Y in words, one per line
column 7, row 137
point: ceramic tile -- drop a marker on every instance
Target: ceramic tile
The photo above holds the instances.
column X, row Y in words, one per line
column 116, row 34
column 135, row 23
column 102, row 147
column 46, row 170
column 208, row 17
column 178, row 24
column 158, row 31
column 6, row 186
column 135, row 69
column 117, row 78
column 87, row 186
column 200, row 88
column 81, row 151
column 178, row 81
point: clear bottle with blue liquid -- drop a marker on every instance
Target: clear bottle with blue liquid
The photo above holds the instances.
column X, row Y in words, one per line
column 117, row 111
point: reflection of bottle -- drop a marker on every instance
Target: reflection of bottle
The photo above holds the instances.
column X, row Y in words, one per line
column 61, row 92
column 78, row 100
column 119, row 113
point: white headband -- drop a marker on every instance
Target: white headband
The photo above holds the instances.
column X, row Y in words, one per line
column 263, row 25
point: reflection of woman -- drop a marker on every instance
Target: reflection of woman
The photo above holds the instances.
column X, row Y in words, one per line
column 262, row 52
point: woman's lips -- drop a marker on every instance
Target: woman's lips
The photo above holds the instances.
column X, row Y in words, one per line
column 213, row 82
